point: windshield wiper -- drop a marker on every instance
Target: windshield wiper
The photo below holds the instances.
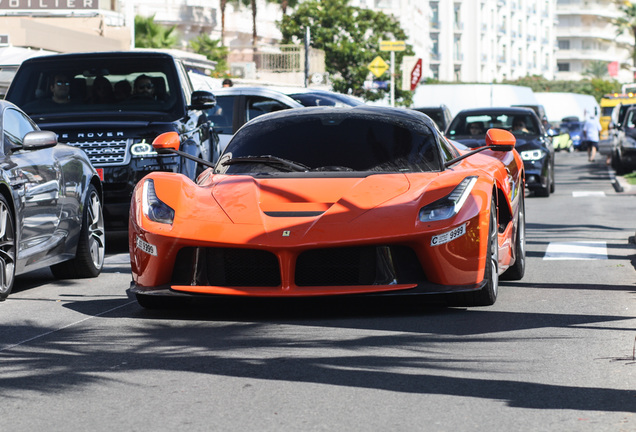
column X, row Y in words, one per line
column 268, row 159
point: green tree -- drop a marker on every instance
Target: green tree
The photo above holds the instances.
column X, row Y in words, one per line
column 596, row 69
column 350, row 37
column 627, row 22
column 213, row 50
column 149, row 34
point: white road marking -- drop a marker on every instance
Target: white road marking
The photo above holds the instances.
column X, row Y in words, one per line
column 590, row 250
column 579, row 194
column 8, row 347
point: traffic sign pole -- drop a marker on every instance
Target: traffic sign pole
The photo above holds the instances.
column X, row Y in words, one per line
column 392, row 78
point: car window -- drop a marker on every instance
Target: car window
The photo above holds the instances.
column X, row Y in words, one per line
column 15, row 126
column 352, row 142
column 109, row 86
column 222, row 114
column 259, row 105
column 466, row 125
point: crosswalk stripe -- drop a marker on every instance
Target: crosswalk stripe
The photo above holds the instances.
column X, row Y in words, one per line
column 579, row 194
column 588, row 250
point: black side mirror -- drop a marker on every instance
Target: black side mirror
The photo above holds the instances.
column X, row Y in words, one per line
column 202, row 100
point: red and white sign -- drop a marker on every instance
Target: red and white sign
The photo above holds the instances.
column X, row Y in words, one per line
column 416, row 74
column 612, row 69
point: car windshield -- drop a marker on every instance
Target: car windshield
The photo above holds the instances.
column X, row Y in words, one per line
column 324, row 99
column 110, row 86
column 476, row 125
column 335, row 142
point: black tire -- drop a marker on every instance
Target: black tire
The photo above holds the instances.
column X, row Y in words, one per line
column 545, row 191
column 7, row 249
column 488, row 294
column 91, row 247
column 553, row 180
column 518, row 269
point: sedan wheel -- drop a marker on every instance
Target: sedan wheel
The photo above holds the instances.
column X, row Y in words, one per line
column 91, row 247
column 7, row 249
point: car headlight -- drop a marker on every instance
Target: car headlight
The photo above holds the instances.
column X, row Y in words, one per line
column 532, row 155
column 450, row 205
column 575, row 137
column 155, row 209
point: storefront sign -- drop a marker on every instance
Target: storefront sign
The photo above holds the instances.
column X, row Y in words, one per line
column 47, row 4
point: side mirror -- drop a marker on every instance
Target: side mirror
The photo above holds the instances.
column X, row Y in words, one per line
column 500, row 140
column 36, row 140
column 167, row 142
column 202, row 100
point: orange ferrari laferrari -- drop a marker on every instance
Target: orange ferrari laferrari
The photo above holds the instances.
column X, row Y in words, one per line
column 331, row 202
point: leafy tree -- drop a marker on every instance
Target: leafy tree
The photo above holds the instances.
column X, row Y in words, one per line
column 596, row 69
column 350, row 37
column 149, row 34
column 596, row 87
column 627, row 22
column 213, row 50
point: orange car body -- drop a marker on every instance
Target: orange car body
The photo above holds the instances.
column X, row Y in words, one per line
column 285, row 225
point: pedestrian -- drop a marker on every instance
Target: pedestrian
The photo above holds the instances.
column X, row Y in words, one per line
column 227, row 82
column 591, row 133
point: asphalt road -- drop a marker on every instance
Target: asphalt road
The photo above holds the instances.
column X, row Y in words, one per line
column 555, row 353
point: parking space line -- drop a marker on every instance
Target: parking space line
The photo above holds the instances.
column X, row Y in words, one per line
column 587, row 250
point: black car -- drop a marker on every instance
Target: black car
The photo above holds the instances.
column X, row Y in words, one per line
column 624, row 153
column 50, row 204
column 533, row 143
column 440, row 114
column 112, row 105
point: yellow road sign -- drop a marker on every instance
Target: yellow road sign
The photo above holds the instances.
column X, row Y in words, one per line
column 392, row 46
column 378, row 66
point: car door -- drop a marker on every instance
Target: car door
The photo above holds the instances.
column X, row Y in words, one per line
column 34, row 177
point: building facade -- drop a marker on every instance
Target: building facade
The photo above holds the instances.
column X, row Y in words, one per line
column 585, row 34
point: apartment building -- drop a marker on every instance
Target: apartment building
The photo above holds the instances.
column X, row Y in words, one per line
column 585, row 34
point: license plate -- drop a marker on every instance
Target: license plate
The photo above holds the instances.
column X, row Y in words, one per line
column 448, row 236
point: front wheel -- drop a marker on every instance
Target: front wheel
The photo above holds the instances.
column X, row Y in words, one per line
column 488, row 294
column 518, row 269
column 89, row 257
column 7, row 249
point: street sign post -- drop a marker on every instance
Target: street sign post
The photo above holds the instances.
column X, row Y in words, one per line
column 378, row 66
column 392, row 46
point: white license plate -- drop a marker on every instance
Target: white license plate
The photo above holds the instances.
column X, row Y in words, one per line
column 448, row 236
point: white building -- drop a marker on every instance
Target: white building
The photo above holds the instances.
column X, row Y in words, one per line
column 586, row 34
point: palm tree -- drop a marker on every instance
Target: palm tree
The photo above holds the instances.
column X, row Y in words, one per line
column 284, row 4
column 627, row 22
column 149, row 34
column 251, row 3
column 222, row 6
column 596, row 69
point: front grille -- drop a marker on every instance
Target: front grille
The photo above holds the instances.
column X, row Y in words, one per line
column 348, row 266
column 226, row 267
column 102, row 152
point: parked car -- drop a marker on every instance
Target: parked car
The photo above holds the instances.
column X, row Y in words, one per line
column 533, row 143
column 237, row 105
column 115, row 103
column 623, row 157
column 333, row 201
column 574, row 127
column 440, row 114
column 50, row 204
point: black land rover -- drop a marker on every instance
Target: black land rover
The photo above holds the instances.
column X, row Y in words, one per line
column 112, row 105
